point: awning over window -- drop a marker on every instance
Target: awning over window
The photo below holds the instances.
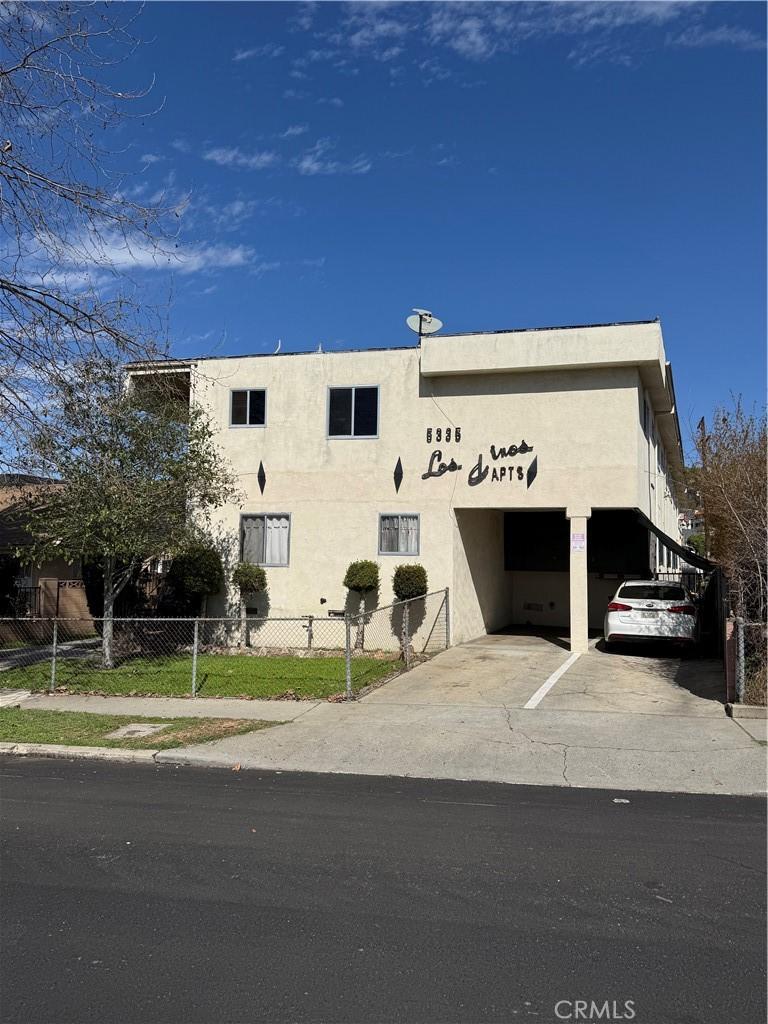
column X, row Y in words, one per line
column 697, row 561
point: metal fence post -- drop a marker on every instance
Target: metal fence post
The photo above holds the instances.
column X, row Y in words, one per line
column 310, row 620
column 407, row 634
column 348, row 656
column 53, row 654
column 194, row 657
column 739, row 624
column 447, row 619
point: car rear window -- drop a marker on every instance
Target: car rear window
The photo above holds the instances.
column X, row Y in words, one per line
column 645, row 593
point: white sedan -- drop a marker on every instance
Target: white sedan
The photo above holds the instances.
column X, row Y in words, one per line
column 651, row 610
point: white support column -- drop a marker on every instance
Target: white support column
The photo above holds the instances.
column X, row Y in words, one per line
column 578, row 579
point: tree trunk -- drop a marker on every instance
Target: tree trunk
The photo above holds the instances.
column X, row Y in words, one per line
column 245, row 640
column 405, row 638
column 360, row 631
column 109, row 613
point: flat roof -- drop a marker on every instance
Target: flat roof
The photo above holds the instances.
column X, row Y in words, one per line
column 183, row 363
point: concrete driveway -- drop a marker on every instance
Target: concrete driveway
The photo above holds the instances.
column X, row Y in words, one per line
column 508, row 669
column 640, row 679
column 500, row 670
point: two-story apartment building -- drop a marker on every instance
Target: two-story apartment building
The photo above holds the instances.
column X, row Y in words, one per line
column 527, row 470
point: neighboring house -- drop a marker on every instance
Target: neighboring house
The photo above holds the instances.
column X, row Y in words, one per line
column 27, row 590
column 526, row 469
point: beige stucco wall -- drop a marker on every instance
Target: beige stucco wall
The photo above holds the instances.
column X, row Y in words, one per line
column 482, row 590
column 582, row 422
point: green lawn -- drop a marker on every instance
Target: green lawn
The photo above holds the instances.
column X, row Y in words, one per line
column 218, row 675
column 79, row 728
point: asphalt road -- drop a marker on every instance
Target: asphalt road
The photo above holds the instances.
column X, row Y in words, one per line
column 141, row 894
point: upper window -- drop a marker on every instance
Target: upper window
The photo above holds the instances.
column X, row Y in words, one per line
column 353, row 412
column 399, row 534
column 265, row 539
column 249, row 408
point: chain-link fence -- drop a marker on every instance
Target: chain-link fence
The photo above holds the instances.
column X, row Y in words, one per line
column 410, row 630
column 750, row 661
column 290, row 658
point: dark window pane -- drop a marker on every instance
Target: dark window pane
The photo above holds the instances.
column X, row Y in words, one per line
column 340, row 412
column 641, row 593
column 239, row 407
column 256, row 407
column 366, row 411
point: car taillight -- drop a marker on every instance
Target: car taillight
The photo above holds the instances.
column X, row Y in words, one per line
column 683, row 609
column 617, row 606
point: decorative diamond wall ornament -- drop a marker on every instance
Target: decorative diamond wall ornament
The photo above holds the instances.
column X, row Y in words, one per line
column 261, row 477
column 398, row 474
column 533, row 469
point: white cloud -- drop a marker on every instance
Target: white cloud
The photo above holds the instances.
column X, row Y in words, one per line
column 331, row 101
column 370, row 25
column 304, row 16
column 264, row 267
column 269, row 50
column 114, row 253
column 614, row 31
column 293, row 130
column 235, row 157
column 181, row 145
column 317, row 161
column 723, row 35
column 151, row 158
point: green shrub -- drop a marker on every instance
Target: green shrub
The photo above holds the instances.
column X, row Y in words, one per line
column 409, row 581
column 249, row 579
column 197, row 571
column 362, row 577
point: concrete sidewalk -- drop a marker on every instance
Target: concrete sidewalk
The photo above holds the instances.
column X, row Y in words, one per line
column 564, row 748
column 172, row 707
column 462, row 716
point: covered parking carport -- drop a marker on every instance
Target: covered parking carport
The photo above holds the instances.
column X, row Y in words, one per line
column 544, row 569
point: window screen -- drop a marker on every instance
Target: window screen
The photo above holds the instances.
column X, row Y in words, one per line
column 249, row 408
column 265, row 539
column 353, row 412
column 399, row 535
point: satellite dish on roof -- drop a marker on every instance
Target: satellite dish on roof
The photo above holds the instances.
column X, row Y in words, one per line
column 422, row 322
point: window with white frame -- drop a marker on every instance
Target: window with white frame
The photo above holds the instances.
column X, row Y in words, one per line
column 265, row 539
column 353, row 412
column 248, row 408
column 399, row 534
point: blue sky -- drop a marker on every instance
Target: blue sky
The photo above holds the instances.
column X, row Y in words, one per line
column 506, row 165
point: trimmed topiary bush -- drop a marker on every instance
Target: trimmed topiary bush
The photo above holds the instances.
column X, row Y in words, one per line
column 249, row 579
column 409, row 581
column 362, row 577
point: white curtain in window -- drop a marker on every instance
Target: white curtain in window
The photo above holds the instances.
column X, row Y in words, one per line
column 276, row 545
column 388, row 538
column 409, row 535
column 253, row 539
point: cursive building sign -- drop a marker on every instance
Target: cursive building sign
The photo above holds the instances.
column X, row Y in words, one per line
column 484, row 469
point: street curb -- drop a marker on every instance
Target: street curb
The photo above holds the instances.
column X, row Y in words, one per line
column 86, row 753
column 746, row 711
column 199, row 760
